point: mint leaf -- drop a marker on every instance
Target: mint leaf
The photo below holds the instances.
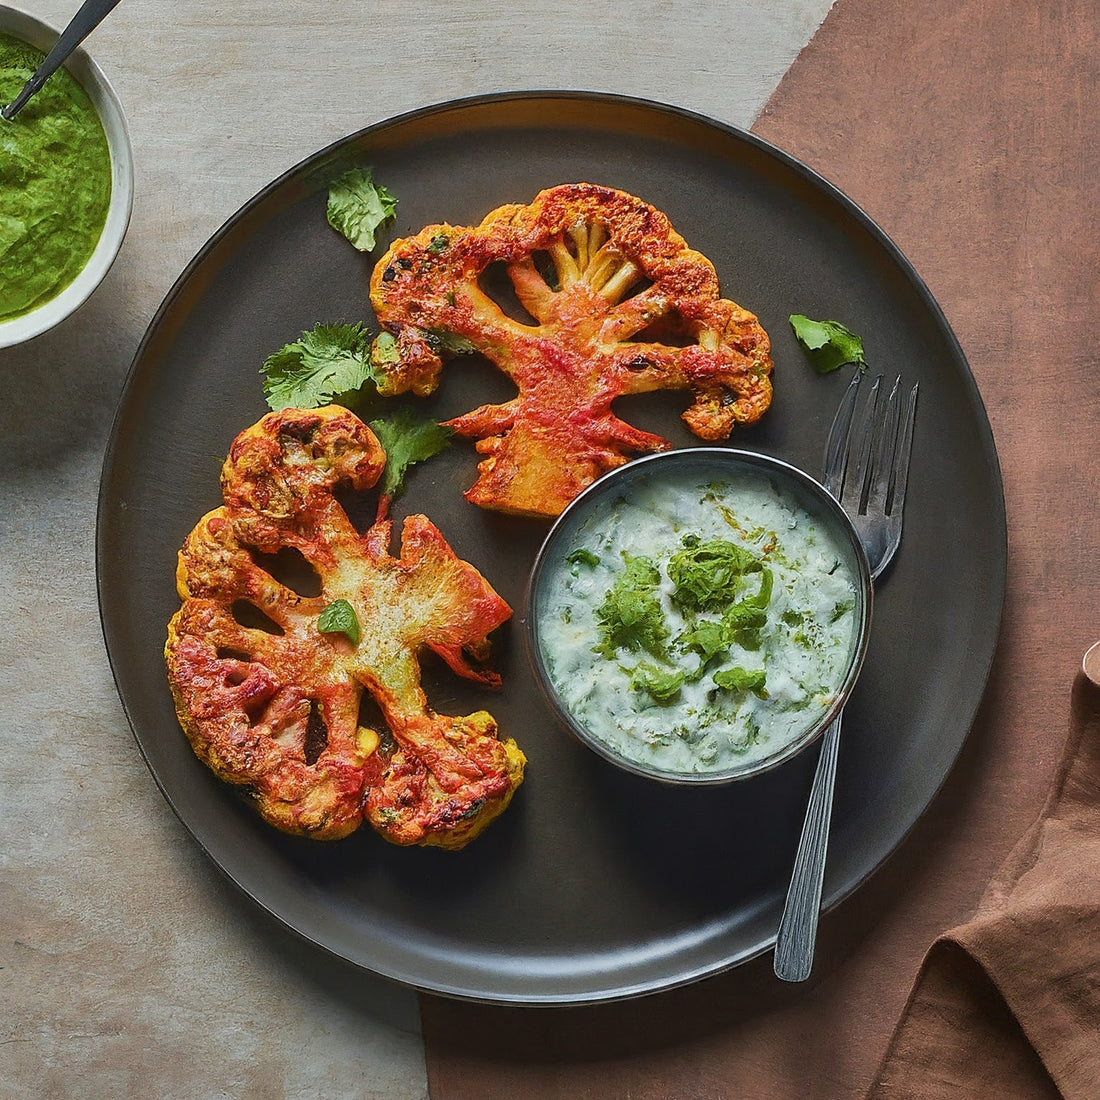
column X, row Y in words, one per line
column 407, row 439
column 581, row 556
column 707, row 638
column 630, row 616
column 325, row 365
column 745, row 621
column 662, row 685
column 828, row 343
column 357, row 206
column 340, row 618
column 764, row 596
column 741, row 681
column 710, row 574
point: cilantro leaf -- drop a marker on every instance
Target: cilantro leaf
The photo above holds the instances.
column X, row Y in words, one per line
column 828, row 343
column 357, row 206
column 325, row 365
column 407, row 439
column 339, row 618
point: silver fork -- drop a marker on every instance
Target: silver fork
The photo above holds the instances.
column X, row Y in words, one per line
column 866, row 469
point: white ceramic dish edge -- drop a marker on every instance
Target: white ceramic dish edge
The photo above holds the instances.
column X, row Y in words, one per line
column 32, row 30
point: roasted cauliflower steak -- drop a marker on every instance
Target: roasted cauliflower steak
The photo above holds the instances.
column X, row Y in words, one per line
column 272, row 704
column 617, row 303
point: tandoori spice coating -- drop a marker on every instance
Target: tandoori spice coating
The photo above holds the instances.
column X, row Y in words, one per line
column 269, row 693
column 618, row 304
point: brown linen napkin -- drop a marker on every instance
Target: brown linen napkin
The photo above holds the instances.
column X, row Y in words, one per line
column 1008, row 1004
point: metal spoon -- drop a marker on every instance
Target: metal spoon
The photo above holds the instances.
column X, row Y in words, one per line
column 90, row 15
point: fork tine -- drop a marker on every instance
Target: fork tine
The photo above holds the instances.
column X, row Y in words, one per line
column 877, row 493
column 867, row 434
column 903, row 451
column 840, row 433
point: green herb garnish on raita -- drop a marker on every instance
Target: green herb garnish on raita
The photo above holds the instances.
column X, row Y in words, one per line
column 739, row 679
column 661, row 684
column 630, row 616
column 707, row 574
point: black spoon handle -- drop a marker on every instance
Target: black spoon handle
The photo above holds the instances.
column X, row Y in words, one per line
column 90, row 15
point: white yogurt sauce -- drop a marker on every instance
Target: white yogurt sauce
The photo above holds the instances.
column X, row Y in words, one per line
column 802, row 649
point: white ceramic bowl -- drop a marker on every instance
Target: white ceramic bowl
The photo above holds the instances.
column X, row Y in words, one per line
column 33, row 31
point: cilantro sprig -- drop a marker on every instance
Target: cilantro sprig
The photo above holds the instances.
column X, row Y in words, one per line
column 326, row 365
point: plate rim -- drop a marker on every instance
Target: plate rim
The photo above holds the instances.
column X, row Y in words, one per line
column 624, row 990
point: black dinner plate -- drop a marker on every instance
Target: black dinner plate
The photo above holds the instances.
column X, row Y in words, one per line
column 595, row 884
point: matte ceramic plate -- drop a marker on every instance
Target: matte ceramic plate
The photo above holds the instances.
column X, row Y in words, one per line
column 595, row 884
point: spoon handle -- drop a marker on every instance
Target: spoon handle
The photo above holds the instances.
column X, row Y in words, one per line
column 90, row 15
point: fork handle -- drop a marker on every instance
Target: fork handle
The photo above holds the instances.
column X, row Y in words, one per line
column 794, row 945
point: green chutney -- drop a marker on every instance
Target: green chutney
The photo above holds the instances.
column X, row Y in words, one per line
column 55, row 183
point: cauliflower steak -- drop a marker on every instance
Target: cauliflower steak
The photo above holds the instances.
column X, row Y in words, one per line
column 271, row 703
column 617, row 304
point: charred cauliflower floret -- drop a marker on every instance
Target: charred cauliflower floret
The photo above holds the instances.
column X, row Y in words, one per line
column 271, row 702
column 618, row 304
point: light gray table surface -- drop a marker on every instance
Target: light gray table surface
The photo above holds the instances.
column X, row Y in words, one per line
column 129, row 965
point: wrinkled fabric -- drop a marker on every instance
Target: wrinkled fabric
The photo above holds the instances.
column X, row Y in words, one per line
column 1008, row 1004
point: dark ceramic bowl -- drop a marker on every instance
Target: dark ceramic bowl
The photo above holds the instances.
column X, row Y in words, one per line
column 708, row 464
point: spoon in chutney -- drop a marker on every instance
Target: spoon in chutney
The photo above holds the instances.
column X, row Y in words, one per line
column 90, row 15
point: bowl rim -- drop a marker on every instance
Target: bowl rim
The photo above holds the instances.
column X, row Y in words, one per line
column 705, row 456
column 83, row 68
